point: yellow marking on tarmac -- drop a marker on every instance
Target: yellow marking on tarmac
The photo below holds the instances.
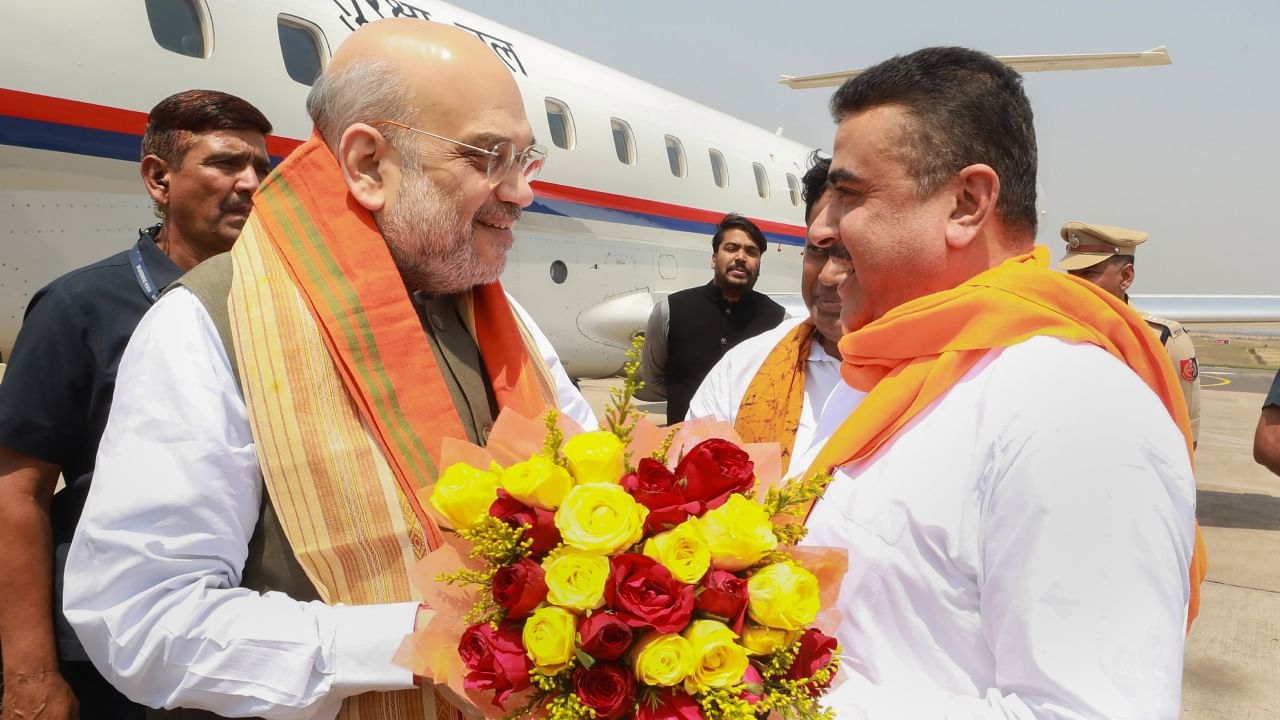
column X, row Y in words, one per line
column 1222, row 381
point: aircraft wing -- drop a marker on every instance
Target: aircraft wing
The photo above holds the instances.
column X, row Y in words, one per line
column 1021, row 63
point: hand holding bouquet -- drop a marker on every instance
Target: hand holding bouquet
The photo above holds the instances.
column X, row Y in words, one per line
column 586, row 583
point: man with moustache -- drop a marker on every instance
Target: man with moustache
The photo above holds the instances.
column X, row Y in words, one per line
column 689, row 331
column 996, row 571
column 772, row 387
column 203, row 154
column 245, row 550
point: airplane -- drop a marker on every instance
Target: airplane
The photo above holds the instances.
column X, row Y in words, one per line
column 636, row 179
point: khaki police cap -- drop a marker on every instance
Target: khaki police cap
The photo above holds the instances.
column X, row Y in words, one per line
column 1088, row 245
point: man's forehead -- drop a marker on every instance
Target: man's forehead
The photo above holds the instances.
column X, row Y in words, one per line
column 230, row 139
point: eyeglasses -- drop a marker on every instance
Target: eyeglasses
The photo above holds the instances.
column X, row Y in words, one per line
column 501, row 157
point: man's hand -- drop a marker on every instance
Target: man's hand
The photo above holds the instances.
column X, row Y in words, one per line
column 38, row 696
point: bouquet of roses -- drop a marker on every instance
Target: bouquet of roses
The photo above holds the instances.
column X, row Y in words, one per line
column 580, row 584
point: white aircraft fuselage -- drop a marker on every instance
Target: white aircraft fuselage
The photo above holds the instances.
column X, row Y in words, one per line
column 613, row 227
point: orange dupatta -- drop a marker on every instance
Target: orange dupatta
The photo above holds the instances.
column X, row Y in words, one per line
column 340, row 264
column 770, row 409
column 917, row 351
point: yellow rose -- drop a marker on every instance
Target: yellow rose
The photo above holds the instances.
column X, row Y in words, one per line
column 682, row 550
column 576, row 579
column 783, row 595
column 738, row 534
column 463, row 495
column 549, row 638
column 662, row 660
column 765, row 640
column 718, row 661
column 596, row 457
column 600, row 519
column 537, row 482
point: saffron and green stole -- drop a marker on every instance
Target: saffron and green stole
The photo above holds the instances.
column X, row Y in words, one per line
column 770, row 409
column 914, row 354
column 346, row 401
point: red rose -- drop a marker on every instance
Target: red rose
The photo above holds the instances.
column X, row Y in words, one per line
column 541, row 523
column 668, row 704
column 713, row 470
column 724, row 595
column 814, row 653
column 519, row 587
column 608, row 689
column 658, row 489
column 604, row 637
column 495, row 660
column 645, row 594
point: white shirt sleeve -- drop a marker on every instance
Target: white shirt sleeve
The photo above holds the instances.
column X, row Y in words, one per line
column 570, row 399
column 716, row 397
column 153, row 571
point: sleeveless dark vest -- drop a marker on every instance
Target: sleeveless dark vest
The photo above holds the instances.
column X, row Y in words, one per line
column 701, row 328
column 271, row 564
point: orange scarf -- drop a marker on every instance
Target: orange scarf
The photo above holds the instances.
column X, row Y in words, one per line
column 919, row 350
column 340, row 264
column 770, row 409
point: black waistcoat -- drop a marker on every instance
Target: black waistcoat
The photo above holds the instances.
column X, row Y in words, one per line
column 702, row 326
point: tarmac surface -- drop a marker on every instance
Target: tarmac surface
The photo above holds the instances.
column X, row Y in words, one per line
column 1232, row 662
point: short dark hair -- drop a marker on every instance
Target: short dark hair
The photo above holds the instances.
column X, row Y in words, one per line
column 814, row 182
column 967, row 108
column 174, row 121
column 734, row 221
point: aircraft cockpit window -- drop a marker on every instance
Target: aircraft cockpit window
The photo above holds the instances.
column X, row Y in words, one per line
column 561, row 123
column 719, row 170
column 762, row 180
column 793, row 185
column 675, row 155
column 301, row 46
column 624, row 142
column 179, row 26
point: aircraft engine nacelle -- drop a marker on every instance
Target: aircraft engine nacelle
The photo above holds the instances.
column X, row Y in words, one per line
column 611, row 324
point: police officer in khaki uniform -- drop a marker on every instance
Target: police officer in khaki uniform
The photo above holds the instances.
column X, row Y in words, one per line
column 1103, row 255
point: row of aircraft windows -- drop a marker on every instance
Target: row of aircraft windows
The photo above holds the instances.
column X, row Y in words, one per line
column 560, row 121
column 180, row 26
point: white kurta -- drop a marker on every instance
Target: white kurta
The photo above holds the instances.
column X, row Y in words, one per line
column 1019, row 550
column 152, row 576
column 721, row 392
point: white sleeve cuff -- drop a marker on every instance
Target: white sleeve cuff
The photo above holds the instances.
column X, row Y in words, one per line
column 365, row 641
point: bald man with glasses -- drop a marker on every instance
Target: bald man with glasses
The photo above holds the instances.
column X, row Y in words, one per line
column 246, row 548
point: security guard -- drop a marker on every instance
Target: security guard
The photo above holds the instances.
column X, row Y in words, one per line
column 1103, row 255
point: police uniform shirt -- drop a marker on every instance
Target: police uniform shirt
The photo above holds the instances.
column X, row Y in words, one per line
column 57, row 388
column 1182, row 353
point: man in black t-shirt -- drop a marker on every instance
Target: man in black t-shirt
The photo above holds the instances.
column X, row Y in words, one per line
column 689, row 331
column 1266, row 439
column 203, row 155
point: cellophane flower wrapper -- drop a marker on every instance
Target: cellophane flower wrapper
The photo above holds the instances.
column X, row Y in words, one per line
column 738, row 619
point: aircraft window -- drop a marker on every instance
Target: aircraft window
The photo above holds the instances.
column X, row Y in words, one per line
column 300, row 46
column 794, row 186
column 559, row 272
column 561, row 123
column 762, row 179
column 675, row 155
column 719, row 170
column 178, row 26
column 623, row 142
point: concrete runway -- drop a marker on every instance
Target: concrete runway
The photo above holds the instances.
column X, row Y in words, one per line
column 1232, row 661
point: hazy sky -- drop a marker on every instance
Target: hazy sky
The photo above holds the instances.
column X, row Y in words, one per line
column 1187, row 152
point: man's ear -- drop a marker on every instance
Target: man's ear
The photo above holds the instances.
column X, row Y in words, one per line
column 155, row 177
column 976, row 191
column 364, row 157
column 1126, row 276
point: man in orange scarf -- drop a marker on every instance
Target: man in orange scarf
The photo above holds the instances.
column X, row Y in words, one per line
column 246, row 549
column 772, row 387
column 995, row 569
